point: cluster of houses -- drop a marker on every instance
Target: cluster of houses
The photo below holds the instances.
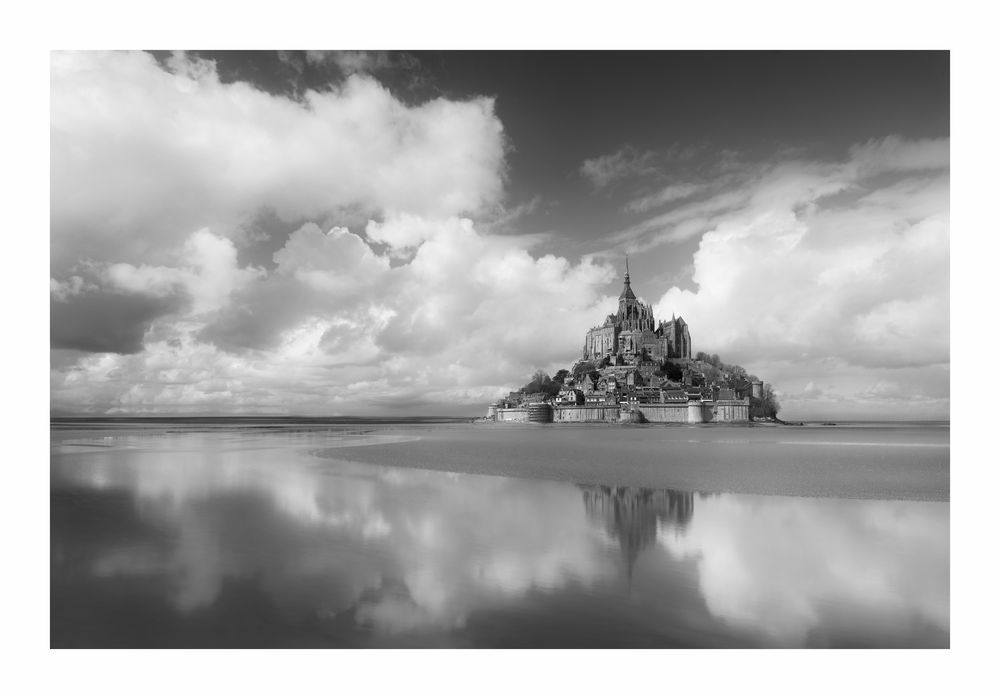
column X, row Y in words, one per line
column 618, row 385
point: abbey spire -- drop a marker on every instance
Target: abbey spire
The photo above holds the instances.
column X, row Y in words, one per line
column 627, row 292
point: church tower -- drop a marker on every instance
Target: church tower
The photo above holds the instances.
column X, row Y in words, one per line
column 632, row 314
column 632, row 335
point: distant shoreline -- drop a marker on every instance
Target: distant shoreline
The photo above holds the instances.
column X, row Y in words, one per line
column 416, row 420
column 259, row 419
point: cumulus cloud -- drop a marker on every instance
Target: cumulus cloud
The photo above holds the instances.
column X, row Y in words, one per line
column 818, row 262
column 209, row 275
column 118, row 303
column 391, row 292
column 155, row 175
column 334, row 320
column 334, row 261
column 404, row 231
column 142, row 156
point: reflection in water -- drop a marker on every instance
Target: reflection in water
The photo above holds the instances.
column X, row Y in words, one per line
column 353, row 548
column 239, row 539
column 631, row 516
column 806, row 571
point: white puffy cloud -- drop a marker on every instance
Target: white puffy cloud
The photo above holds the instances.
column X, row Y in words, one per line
column 403, row 231
column 336, row 328
column 114, row 308
column 334, row 262
column 209, row 275
column 141, row 156
column 834, row 272
column 420, row 306
column 820, row 264
column 466, row 294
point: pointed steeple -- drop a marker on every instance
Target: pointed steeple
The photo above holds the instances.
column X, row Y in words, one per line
column 627, row 292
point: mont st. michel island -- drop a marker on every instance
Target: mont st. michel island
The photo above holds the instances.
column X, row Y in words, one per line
column 475, row 349
column 634, row 370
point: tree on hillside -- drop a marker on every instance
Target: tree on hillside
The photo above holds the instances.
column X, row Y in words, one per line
column 542, row 383
column 560, row 376
column 765, row 407
column 670, row 370
column 733, row 374
column 538, row 379
column 712, row 359
column 583, row 368
column 712, row 373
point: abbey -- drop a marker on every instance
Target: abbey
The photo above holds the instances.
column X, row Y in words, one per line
column 632, row 334
column 635, row 370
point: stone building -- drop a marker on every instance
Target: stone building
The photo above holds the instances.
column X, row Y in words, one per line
column 632, row 333
column 625, row 384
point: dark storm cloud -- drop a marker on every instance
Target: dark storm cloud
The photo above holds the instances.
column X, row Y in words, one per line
column 101, row 321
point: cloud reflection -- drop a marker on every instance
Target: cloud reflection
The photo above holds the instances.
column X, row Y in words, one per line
column 400, row 550
column 194, row 519
column 803, row 571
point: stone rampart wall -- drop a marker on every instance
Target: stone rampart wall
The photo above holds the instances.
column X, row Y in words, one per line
column 719, row 411
column 512, row 415
column 728, row 411
column 587, row 413
column 664, row 412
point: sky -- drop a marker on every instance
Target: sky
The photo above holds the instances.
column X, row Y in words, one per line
column 372, row 233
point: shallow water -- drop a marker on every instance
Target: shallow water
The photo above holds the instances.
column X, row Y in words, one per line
column 271, row 536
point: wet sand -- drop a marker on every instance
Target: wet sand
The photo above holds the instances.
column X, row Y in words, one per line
column 878, row 462
column 198, row 536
